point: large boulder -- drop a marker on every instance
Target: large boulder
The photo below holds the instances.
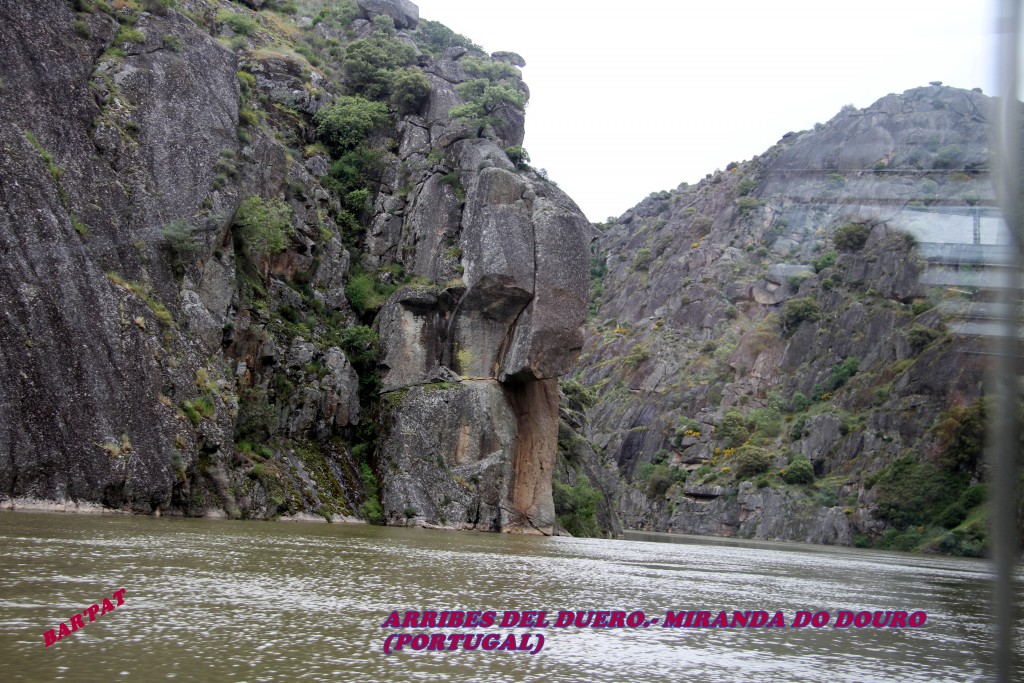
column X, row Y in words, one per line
column 513, row 325
column 449, row 449
column 405, row 13
column 548, row 336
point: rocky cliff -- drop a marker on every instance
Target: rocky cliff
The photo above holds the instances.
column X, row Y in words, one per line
column 775, row 352
column 277, row 258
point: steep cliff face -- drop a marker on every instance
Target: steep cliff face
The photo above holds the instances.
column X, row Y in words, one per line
column 772, row 354
column 200, row 274
column 497, row 338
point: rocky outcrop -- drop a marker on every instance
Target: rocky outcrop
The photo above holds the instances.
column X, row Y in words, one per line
column 404, row 13
column 90, row 173
column 447, row 450
column 178, row 250
column 511, row 325
column 789, row 293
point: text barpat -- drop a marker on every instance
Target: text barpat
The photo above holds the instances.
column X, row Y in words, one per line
column 53, row 635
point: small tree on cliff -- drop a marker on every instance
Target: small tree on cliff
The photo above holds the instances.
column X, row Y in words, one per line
column 345, row 124
column 379, row 67
column 492, row 88
column 264, row 225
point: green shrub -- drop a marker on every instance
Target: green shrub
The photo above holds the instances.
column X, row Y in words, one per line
column 919, row 337
column 747, row 205
column 960, row 434
column 577, row 396
column 434, row 38
column 576, row 507
column 409, row 90
column 518, row 156
column 246, row 85
column 493, row 87
column 851, row 236
column 345, row 124
column 454, row 179
column 841, row 374
column 264, row 225
column 339, row 14
column 800, row 471
column 732, row 431
column 826, row 260
column 637, row 355
column 205, row 406
column 745, row 186
column 257, row 417
column 798, row 429
column 828, row 498
column 644, row 472
column 360, row 344
column 948, row 156
column 489, row 70
column 952, row 516
column 352, row 172
column 173, row 43
column 799, row 403
column 190, row 412
column 765, row 422
column 796, row 311
column 181, row 239
column 662, row 478
column 359, row 292
column 643, row 259
column 356, row 200
column 703, row 224
column 907, row 540
column 835, row 180
column 911, row 493
column 750, row 460
column 247, row 116
column 796, row 280
column 919, row 307
column 974, row 496
column 239, row 23
column 127, row 34
column 372, row 64
column 371, row 509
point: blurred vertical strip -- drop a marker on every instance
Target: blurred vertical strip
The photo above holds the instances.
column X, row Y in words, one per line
column 1004, row 428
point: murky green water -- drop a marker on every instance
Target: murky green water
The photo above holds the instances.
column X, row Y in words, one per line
column 246, row 601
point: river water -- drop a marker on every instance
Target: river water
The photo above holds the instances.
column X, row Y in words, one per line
column 214, row 600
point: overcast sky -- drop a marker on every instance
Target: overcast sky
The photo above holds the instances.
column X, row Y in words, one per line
column 628, row 99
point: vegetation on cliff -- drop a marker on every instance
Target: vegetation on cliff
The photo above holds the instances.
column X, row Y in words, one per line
column 275, row 224
column 765, row 348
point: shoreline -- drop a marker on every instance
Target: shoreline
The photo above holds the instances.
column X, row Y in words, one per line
column 72, row 507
